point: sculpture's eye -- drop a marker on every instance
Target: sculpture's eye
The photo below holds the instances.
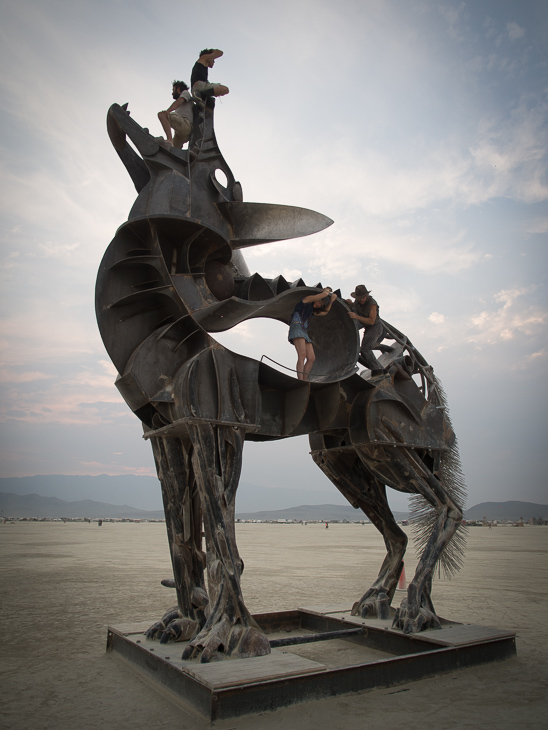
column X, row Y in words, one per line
column 220, row 279
column 221, row 178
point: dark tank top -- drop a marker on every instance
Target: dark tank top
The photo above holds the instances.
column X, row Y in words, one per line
column 305, row 311
column 199, row 73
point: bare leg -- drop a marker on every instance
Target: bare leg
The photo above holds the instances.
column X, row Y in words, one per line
column 164, row 120
column 310, row 358
column 230, row 629
column 305, row 357
column 300, row 343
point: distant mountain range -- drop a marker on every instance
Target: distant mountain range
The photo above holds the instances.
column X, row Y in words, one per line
column 507, row 511
column 313, row 512
column 501, row 511
column 144, row 493
column 35, row 505
column 141, row 492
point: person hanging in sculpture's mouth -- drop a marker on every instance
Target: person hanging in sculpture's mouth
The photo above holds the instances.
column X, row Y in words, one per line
column 314, row 304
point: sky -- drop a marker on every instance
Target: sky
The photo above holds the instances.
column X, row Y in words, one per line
column 419, row 126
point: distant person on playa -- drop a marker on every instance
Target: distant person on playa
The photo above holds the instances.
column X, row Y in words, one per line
column 179, row 116
column 366, row 311
column 199, row 83
column 314, row 304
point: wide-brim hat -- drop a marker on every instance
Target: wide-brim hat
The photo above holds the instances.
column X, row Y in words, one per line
column 360, row 292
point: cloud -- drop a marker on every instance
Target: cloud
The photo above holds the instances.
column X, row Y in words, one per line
column 60, row 213
column 538, row 225
column 515, row 31
column 56, row 333
column 505, row 158
column 509, row 320
column 539, row 355
column 501, row 335
column 453, row 15
column 22, row 377
column 58, row 250
column 80, row 394
column 407, row 211
column 510, row 155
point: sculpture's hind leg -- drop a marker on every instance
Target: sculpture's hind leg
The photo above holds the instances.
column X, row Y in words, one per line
column 184, row 530
column 363, row 490
column 416, row 612
column 229, row 629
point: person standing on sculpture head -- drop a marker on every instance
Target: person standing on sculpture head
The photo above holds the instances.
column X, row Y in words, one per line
column 178, row 116
column 298, row 328
column 366, row 311
column 199, row 83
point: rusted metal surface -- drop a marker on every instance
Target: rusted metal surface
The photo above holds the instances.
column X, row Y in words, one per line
column 381, row 657
column 173, row 276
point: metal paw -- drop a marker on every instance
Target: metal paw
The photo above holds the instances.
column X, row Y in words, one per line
column 157, row 629
column 413, row 621
column 181, row 629
column 223, row 640
column 375, row 605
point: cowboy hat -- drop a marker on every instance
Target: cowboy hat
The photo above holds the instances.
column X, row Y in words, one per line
column 360, row 292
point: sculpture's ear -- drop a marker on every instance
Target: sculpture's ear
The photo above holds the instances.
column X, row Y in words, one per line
column 118, row 124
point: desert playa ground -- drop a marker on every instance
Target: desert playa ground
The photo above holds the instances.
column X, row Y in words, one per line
column 63, row 583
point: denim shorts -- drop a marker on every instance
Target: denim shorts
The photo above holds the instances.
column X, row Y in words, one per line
column 296, row 329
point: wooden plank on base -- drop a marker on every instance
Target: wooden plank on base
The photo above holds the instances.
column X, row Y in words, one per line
column 233, row 673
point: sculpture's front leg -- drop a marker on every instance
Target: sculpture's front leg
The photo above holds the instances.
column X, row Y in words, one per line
column 184, row 529
column 230, row 628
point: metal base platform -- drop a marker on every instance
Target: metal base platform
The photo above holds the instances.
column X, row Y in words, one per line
column 379, row 656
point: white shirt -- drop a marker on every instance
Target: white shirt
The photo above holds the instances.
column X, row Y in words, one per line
column 185, row 109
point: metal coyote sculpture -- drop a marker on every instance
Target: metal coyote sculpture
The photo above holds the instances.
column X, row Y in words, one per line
column 173, row 275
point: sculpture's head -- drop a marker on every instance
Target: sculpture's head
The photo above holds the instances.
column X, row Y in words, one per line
column 174, row 273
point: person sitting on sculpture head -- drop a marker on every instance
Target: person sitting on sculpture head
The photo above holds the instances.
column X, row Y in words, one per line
column 319, row 304
column 365, row 310
column 199, row 83
column 178, row 116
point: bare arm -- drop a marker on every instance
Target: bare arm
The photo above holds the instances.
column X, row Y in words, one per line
column 323, row 312
column 177, row 103
column 216, row 53
column 316, row 297
column 365, row 320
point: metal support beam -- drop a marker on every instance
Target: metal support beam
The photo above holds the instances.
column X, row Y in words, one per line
column 310, row 638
